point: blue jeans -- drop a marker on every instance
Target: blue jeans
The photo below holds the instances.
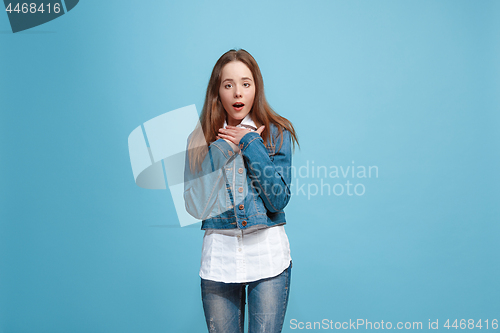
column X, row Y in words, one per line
column 224, row 304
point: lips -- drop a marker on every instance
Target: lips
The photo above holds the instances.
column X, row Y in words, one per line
column 238, row 106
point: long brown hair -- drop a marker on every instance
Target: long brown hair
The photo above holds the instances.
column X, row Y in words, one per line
column 213, row 113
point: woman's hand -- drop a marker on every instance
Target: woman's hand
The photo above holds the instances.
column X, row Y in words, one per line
column 233, row 134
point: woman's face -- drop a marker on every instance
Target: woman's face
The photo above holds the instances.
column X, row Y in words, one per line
column 236, row 91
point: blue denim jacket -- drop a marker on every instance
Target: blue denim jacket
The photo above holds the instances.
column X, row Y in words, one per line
column 239, row 190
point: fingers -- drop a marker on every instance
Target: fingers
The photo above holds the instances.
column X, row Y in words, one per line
column 228, row 137
column 234, row 134
column 260, row 129
column 224, row 133
column 233, row 130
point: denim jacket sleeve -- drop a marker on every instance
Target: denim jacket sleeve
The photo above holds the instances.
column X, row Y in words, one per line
column 271, row 175
column 205, row 191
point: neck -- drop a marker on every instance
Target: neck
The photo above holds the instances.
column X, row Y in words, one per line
column 233, row 122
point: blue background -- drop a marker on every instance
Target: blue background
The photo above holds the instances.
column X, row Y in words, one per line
column 411, row 87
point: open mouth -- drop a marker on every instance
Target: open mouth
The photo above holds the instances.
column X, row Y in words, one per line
column 238, row 106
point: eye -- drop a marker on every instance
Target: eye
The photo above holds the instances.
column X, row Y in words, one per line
column 227, row 86
column 246, row 84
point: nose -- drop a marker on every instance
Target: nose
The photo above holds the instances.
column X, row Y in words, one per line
column 237, row 92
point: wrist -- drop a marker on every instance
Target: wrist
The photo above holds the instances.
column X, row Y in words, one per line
column 235, row 148
column 248, row 138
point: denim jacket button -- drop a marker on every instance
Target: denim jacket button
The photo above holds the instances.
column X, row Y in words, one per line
column 241, row 206
column 230, row 153
column 240, row 189
column 244, row 223
column 240, row 170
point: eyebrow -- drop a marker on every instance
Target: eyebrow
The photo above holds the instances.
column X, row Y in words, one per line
column 243, row 78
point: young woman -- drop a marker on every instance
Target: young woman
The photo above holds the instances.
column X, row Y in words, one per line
column 237, row 180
